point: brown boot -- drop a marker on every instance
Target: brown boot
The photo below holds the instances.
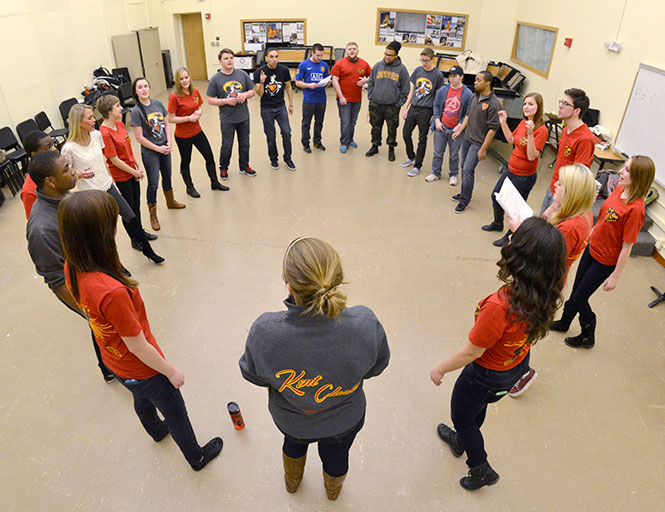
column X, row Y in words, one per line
column 333, row 485
column 154, row 221
column 171, row 203
column 293, row 471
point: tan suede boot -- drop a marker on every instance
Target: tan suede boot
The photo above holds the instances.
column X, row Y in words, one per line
column 171, row 203
column 333, row 485
column 293, row 471
column 154, row 221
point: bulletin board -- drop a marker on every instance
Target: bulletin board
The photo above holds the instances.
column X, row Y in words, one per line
column 421, row 29
column 282, row 31
column 533, row 47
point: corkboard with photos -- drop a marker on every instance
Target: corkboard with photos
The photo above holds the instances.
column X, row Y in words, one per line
column 282, row 31
column 421, row 29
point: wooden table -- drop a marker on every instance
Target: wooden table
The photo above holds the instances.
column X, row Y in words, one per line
column 607, row 155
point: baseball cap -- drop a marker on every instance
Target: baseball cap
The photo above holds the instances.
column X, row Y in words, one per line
column 456, row 70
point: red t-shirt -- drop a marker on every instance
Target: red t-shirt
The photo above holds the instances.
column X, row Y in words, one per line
column 519, row 162
column 617, row 223
column 348, row 73
column 574, row 148
column 183, row 106
column 115, row 310
column 117, row 143
column 451, row 108
column 28, row 195
column 503, row 338
column 575, row 232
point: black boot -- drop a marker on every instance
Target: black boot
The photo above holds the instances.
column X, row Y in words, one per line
column 479, row 476
column 497, row 223
column 214, row 182
column 450, row 437
column 147, row 251
column 563, row 324
column 372, row 151
column 501, row 242
column 587, row 338
column 391, row 154
column 149, row 236
column 187, row 178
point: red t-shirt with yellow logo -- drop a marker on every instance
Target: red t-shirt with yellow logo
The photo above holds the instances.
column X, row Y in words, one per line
column 115, row 310
column 117, row 143
column 575, row 147
column 502, row 336
column 575, row 232
column 183, row 106
column 519, row 162
column 617, row 223
column 349, row 73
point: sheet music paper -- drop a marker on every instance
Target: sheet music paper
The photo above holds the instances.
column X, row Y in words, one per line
column 512, row 202
column 324, row 81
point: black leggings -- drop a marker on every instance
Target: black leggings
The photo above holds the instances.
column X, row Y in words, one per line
column 590, row 275
column 202, row 145
column 333, row 451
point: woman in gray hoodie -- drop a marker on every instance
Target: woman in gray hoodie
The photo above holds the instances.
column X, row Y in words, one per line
column 313, row 358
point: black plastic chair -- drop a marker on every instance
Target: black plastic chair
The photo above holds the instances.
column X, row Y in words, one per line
column 15, row 153
column 126, row 99
column 27, row 126
column 44, row 124
column 122, row 74
column 10, row 174
column 64, row 109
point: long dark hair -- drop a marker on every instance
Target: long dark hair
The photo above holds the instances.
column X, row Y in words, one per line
column 533, row 266
column 87, row 222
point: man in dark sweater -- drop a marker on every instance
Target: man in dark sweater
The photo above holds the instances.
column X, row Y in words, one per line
column 387, row 90
column 54, row 178
column 479, row 126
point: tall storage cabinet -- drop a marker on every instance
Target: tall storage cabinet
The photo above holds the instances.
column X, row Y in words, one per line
column 141, row 52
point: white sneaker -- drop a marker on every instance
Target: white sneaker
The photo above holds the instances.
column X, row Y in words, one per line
column 413, row 172
column 408, row 162
column 452, row 181
column 432, row 177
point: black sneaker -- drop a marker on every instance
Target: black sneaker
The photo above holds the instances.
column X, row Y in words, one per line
column 290, row 165
column 460, row 208
column 108, row 377
column 307, row 149
column 248, row 171
column 480, row 476
column 456, row 197
column 210, row 451
column 372, row 151
column 450, row 437
column 224, row 174
column 391, row 154
column 319, row 146
column 274, row 165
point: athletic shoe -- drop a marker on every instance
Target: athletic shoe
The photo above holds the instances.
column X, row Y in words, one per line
column 523, row 384
column 343, row 148
column 413, row 172
column 353, row 144
column 456, row 197
column 452, row 181
column 432, row 177
column 290, row 165
column 460, row 208
column 274, row 165
column 224, row 174
column 319, row 146
column 408, row 162
column 307, row 149
column 248, row 171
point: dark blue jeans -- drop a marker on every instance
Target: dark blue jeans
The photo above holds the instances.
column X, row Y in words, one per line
column 523, row 184
column 474, row 389
column 228, row 132
column 468, row 161
column 348, row 115
column 156, row 163
column 317, row 111
column 333, row 451
column 269, row 116
column 158, row 393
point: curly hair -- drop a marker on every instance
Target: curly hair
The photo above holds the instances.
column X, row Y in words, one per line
column 533, row 266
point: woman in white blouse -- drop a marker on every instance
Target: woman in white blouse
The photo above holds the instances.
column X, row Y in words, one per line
column 83, row 150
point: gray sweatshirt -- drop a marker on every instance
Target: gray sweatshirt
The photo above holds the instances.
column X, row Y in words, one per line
column 44, row 241
column 388, row 84
column 314, row 367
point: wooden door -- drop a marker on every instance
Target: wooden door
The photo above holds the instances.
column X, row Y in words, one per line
column 195, row 57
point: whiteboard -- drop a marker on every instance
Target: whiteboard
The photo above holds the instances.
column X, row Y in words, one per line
column 643, row 125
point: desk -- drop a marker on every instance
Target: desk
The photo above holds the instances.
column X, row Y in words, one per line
column 607, row 156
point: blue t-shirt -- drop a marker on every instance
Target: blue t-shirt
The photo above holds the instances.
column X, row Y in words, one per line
column 312, row 73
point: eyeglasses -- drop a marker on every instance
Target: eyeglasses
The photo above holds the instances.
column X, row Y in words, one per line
column 563, row 103
column 389, row 54
column 425, row 61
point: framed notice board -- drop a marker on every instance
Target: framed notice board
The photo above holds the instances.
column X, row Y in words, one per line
column 282, row 31
column 533, row 47
column 421, row 29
